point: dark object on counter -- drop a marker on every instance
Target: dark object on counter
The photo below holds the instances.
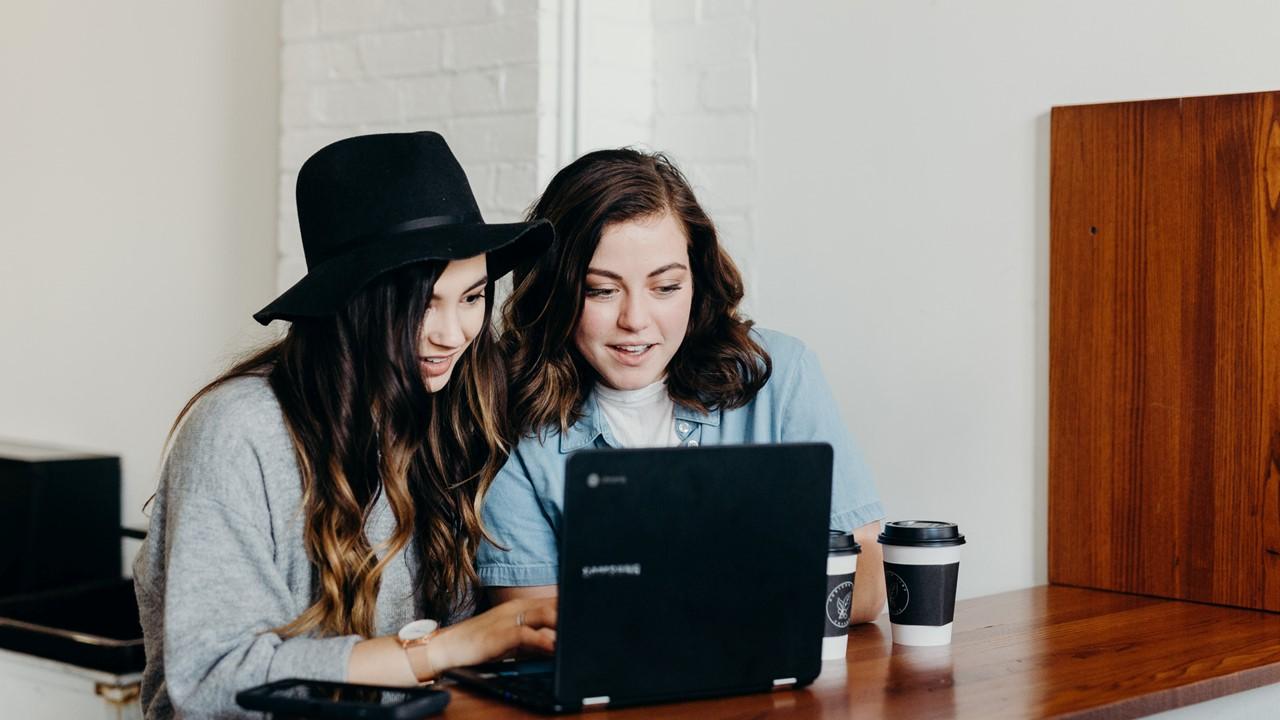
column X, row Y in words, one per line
column 317, row 699
column 93, row 626
column 59, row 518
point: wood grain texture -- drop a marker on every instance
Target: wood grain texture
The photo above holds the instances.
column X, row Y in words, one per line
column 1164, row 359
column 1051, row 651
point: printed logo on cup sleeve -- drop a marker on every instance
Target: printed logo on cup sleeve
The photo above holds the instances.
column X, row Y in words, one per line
column 839, row 604
column 899, row 595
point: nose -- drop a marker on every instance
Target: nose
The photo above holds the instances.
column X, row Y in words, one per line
column 444, row 328
column 634, row 315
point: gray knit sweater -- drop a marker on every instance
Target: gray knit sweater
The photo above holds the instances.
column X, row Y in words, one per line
column 224, row 563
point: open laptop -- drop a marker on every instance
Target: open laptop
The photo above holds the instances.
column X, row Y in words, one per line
column 684, row 573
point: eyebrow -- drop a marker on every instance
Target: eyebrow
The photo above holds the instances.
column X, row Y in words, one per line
column 659, row 271
column 483, row 280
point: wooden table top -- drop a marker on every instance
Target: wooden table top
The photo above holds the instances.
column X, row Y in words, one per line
column 1050, row 651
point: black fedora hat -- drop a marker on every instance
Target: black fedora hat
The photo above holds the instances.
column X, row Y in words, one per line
column 372, row 203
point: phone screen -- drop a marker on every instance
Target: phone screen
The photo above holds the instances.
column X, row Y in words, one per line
column 316, row 698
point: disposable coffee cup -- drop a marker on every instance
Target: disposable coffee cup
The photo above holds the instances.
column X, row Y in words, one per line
column 921, row 566
column 842, row 565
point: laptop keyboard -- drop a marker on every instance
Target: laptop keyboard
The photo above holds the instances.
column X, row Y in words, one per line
column 537, row 687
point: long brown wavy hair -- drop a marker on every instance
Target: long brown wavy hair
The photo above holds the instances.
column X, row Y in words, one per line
column 719, row 364
column 363, row 423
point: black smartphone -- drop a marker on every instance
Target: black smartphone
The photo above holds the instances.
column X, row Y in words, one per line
column 318, row 699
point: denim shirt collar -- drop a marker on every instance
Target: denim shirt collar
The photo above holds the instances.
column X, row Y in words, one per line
column 591, row 425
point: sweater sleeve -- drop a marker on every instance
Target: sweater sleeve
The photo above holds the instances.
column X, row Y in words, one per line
column 221, row 593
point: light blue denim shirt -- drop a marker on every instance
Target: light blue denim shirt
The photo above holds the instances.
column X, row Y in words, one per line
column 522, row 510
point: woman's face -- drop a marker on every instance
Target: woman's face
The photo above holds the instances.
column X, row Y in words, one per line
column 454, row 317
column 639, row 292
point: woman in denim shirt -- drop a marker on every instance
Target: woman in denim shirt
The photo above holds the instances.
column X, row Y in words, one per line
column 627, row 334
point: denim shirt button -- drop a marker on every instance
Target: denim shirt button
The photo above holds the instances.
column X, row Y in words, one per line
column 683, row 428
column 692, row 443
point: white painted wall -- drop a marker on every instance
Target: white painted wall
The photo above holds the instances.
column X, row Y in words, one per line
column 705, row 111
column 614, row 67
column 676, row 76
column 138, row 147
column 902, row 221
column 480, row 72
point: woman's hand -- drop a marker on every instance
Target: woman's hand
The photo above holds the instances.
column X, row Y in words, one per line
column 525, row 624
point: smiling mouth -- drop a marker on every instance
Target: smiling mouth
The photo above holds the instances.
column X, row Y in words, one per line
column 435, row 364
column 632, row 349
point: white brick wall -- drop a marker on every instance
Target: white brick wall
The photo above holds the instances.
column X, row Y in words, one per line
column 615, row 74
column 521, row 87
column 677, row 76
column 705, row 110
column 469, row 69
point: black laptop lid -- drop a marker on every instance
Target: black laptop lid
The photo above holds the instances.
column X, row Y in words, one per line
column 691, row 571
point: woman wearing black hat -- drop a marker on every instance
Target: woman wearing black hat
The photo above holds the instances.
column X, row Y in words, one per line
column 318, row 509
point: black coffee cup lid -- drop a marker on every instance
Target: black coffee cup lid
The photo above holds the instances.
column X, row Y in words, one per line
column 921, row 533
column 840, row 542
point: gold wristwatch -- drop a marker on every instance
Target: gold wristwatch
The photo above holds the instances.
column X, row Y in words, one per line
column 417, row 634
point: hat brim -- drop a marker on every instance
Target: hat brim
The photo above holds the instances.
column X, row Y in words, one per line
column 329, row 286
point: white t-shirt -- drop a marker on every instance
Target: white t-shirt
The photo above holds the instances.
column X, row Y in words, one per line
column 639, row 418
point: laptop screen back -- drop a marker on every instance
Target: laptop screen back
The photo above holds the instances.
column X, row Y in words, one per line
column 688, row 572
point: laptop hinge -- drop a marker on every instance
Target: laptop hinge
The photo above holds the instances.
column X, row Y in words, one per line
column 595, row 703
column 784, row 683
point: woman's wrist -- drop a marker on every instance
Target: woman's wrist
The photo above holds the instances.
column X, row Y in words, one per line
column 380, row 661
column 426, row 660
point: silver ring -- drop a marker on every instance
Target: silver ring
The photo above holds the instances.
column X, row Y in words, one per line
column 519, row 619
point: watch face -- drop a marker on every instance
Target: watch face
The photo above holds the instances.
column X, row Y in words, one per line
column 418, row 629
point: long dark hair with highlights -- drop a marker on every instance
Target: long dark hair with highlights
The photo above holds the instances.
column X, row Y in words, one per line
column 719, row 364
column 364, row 423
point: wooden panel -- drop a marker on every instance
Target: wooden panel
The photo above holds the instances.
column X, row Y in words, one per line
column 1042, row 652
column 1164, row 362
